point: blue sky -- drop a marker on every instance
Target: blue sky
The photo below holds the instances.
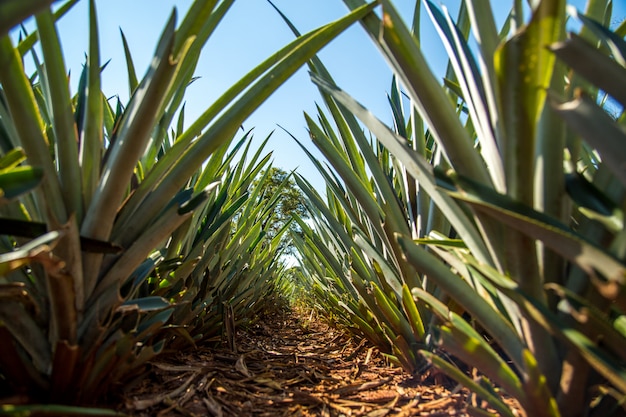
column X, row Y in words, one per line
column 249, row 33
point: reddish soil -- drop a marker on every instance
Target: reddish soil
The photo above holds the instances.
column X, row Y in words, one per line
column 290, row 364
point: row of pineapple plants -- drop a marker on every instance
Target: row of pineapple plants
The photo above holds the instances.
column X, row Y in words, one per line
column 126, row 231
column 486, row 224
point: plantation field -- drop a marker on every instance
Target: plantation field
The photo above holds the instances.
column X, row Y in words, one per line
column 466, row 258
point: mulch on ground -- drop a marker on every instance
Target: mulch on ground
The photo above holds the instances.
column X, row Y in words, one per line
column 291, row 364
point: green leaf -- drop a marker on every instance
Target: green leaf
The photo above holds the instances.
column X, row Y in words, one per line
column 555, row 235
column 593, row 203
column 460, row 338
column 139, row 119
column 29, row 125
column 17, row 181
column 592, row 123
column 537, row 390
column 413, row 314
column 12, row 159
column 415, row 164
column 146, row 304
column 592, row 321
column 474, row 92
column 35, row 249
column 595, row 66
column 611, row 369
column 139, row 250
column 12, row 12
column 409, row 64
column 613, row 39
column 390, row 274
column 463, row 379
column 63, row 125
column 130, row 67
column 53, row 410
column 27, row 44
column 524, row 69
column 597, row 357
column 464, row 295
column 444, row 243
column 397, row 321
column 92, row 141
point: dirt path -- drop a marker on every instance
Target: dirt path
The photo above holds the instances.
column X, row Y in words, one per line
column 289, row 365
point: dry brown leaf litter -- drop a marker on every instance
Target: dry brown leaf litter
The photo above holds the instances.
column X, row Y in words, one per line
column 290, row 365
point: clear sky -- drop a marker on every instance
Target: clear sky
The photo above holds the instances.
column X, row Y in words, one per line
column 249, row 33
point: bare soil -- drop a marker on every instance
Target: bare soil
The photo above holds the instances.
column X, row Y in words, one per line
column 292, row 364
